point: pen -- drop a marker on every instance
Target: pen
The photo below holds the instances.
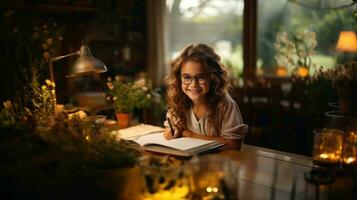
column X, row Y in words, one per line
column 172, row 129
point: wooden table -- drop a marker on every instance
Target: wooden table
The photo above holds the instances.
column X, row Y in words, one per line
column 270, row 174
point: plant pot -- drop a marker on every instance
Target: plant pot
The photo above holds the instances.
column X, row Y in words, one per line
column 123, row 120
column 120, row 183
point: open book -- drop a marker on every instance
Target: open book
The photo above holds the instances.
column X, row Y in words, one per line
column 137, row 131
column 152, row 139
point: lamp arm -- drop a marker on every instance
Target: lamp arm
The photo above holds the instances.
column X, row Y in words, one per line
column 61, row 57
column 51, row 60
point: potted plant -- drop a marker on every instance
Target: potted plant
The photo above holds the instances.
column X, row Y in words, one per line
column 58, row 154
column 127, row 96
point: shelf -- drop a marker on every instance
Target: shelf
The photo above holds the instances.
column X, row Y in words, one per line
column 46, row 7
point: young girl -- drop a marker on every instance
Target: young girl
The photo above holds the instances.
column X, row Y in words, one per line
column 199, row 105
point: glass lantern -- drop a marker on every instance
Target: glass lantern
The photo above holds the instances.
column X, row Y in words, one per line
column 215, row 177
column 165, row 178
column 327, row 149
column 349, row 154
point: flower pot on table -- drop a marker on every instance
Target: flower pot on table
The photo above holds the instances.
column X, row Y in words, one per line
column 123, row 120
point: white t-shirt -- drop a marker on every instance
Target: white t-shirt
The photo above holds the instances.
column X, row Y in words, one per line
column 229, row 121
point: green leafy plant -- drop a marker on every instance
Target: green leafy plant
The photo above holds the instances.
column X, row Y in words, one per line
column 61, row 155
column 126, row 95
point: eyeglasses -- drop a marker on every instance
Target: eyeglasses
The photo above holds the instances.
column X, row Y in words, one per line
column 202, row 79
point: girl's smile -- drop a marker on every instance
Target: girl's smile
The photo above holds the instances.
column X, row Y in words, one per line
column 195, row 83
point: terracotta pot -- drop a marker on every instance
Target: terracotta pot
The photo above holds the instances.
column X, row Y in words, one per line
column 123, row 120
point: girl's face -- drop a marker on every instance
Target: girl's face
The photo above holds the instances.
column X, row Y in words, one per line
column 194, row 81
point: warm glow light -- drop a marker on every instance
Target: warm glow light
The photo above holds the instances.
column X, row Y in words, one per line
column 177, row 193
column 281, row 71
column 347, row 41
column 87, row 137
column 303, row 71
column 349, row 160
column 212, row 189
column 329, row 157
column 215, row 189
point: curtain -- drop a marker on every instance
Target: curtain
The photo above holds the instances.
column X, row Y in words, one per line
column 157, row 41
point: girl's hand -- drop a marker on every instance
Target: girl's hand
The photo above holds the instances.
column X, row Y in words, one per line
column 168, row 135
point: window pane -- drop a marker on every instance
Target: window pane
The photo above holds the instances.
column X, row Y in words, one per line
column 300, row 24
column 218, row 23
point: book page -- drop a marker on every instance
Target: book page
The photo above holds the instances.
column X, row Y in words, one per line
column 134, row 132
column 183, row 144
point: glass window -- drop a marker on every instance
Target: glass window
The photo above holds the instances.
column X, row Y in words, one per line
column 218, row 23
column 301, row 33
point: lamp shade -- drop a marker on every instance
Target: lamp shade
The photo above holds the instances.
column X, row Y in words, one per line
column 86, row 64
column 347, row 41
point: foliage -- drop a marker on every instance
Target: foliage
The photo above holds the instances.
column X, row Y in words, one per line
column 287, row 17
column 295, row 51
column 35, row 104
column 62, row 154
column 342, row 73
column 33, row 40
column 25, row 44
column 126, row 95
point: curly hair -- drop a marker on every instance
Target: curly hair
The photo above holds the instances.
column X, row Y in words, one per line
column 178, row 102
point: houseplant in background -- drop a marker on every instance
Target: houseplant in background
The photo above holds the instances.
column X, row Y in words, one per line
column 343, row 78
column 295, row 52
column 127, row 96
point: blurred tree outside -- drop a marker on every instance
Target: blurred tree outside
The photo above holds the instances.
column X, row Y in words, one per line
column 284, row 15
column 218, row 23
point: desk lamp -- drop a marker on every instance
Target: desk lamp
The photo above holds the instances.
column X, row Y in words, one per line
column 84, row 65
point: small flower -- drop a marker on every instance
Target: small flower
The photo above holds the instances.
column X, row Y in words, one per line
column 110, row 86
column 48, row 82
column 53, row 92
column 109, row 79
column 7, row 104
column 148, row 96
column 145, row 89
column 43, row 87
column 115, row 98
column 53, row 84
column 117, row 78
column 108, row 98
column 140, row 83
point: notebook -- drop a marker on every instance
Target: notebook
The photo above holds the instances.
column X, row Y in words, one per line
column 184, row 147
column 151, row 138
